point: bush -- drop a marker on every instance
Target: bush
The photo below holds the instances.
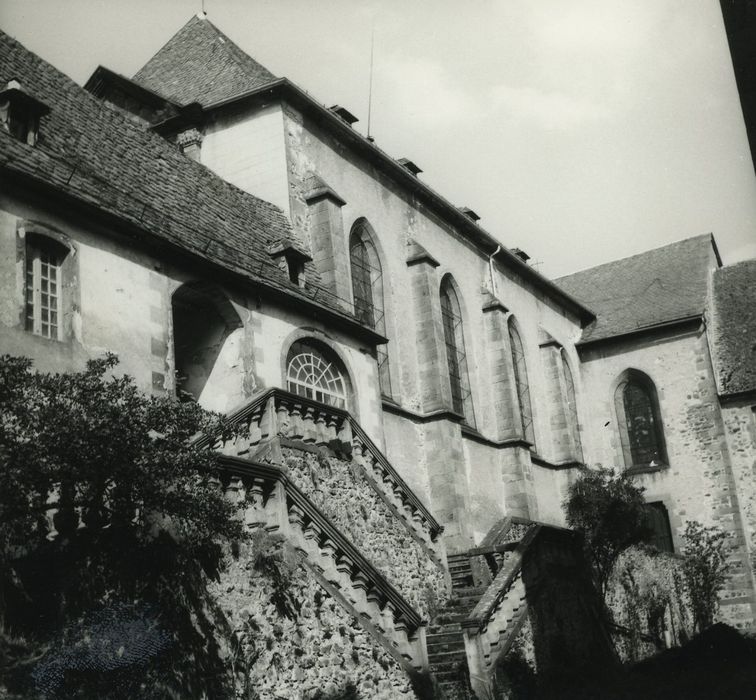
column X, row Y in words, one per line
column 89, row 446
column 705, row 568
column 608, row 509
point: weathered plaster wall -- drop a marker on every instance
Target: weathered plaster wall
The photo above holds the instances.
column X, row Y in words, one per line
column 247, row 150
column 698, row 484
column 395, row 219
column 124, row 306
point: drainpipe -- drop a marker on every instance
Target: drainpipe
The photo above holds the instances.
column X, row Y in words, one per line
column 491, row 270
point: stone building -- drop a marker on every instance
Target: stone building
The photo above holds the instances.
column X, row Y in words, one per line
column 226, row 234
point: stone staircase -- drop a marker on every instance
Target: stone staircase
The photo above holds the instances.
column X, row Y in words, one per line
column 444, row 639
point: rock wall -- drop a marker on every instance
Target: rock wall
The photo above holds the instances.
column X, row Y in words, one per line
column 292, row 640
column 342, row 493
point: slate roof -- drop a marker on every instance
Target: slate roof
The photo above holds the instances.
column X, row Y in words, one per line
column 658, row 286
column 201, row 64
column 92, row 152
column 734, row 327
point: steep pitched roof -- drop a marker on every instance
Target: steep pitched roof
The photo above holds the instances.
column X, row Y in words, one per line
column 201, row 64
column 91, row 152
column 733, row 327
column 658, row 286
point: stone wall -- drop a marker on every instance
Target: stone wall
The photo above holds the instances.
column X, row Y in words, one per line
column 293, row 640
column 338, row 489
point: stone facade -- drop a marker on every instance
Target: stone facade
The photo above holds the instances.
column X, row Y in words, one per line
column 533, row 416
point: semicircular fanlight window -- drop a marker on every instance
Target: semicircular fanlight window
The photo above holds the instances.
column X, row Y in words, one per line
column 312, row 374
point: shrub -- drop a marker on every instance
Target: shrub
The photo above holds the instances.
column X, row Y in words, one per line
column 705, row 568
column 608, row 509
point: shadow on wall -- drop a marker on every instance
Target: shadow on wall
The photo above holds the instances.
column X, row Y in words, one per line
column 207, row 345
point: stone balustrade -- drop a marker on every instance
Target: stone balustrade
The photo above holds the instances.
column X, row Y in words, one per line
column 268, row 498
column 492, row 627
column 278, row 413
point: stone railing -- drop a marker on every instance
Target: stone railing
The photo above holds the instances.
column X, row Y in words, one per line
column 268, row 498
column 278, row 413
column 493, row 624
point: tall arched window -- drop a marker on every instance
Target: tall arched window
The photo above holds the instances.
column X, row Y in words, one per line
column 521, row 382
column 456, row 357
column 571, row 402
column 367, row 290
column 639, row 421
column 313, row 370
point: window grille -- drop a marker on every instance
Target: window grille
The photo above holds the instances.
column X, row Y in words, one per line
column 44, row 259
column 521, row 383
column 367, row 290
column 456, row 357
column 310, row 373
column 572, row 414
column 642, row 430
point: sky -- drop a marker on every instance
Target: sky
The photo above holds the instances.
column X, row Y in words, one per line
column 579, row 130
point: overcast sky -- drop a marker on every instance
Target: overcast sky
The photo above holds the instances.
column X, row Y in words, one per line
column 579, row 130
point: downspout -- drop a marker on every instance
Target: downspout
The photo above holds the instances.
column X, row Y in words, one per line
column 491, row 270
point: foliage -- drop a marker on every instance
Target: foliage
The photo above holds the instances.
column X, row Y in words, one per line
column 609, row 510
column 705, row 568
column 88, row 448
column 647, row 597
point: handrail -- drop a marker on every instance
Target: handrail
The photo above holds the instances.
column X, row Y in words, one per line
column 479, row 617
column 246, row 411
column 238, row 466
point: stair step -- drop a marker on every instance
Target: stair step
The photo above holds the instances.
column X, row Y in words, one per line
column 443, row 637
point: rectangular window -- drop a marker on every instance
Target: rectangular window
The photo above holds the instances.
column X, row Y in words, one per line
column 43, row 292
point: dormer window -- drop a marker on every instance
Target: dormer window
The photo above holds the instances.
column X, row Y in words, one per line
column 20, row 113
column 291, row 259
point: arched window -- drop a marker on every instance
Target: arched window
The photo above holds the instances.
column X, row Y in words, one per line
column 639, row 421
column 521, row 382
column 43, row 288
column 455, row 351
column 571, row 403
column 367, row 290
column 313, row 370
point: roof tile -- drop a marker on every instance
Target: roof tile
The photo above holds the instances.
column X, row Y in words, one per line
column 201, row 64
column 660, row 285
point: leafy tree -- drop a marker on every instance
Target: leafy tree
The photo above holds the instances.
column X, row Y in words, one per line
column 104, row 498
column 609, row 510
column 705, row 567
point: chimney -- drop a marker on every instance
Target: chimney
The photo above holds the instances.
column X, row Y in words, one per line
column 409, row 165
column 344, row 113
column 469, row 213
column 521, row 254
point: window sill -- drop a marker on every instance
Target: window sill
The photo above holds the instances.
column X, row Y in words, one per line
column 646, row 469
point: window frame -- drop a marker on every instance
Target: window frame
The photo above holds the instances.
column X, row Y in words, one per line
column 328, row 361
column 521, row 382
column 645, row 385
column 456, row 353
column 369, row 293
column 35, row 242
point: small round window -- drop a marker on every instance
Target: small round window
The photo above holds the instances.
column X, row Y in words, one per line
column 313, row 371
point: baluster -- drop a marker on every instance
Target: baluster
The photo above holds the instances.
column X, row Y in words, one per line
column 331, row 428
column 309, row 431
column 283, row 418
column 345, row 434
column 53, row 501
column 254, row 433
column 358, row 449
column 295, row 431
column 321, row 429
column 374, row 599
